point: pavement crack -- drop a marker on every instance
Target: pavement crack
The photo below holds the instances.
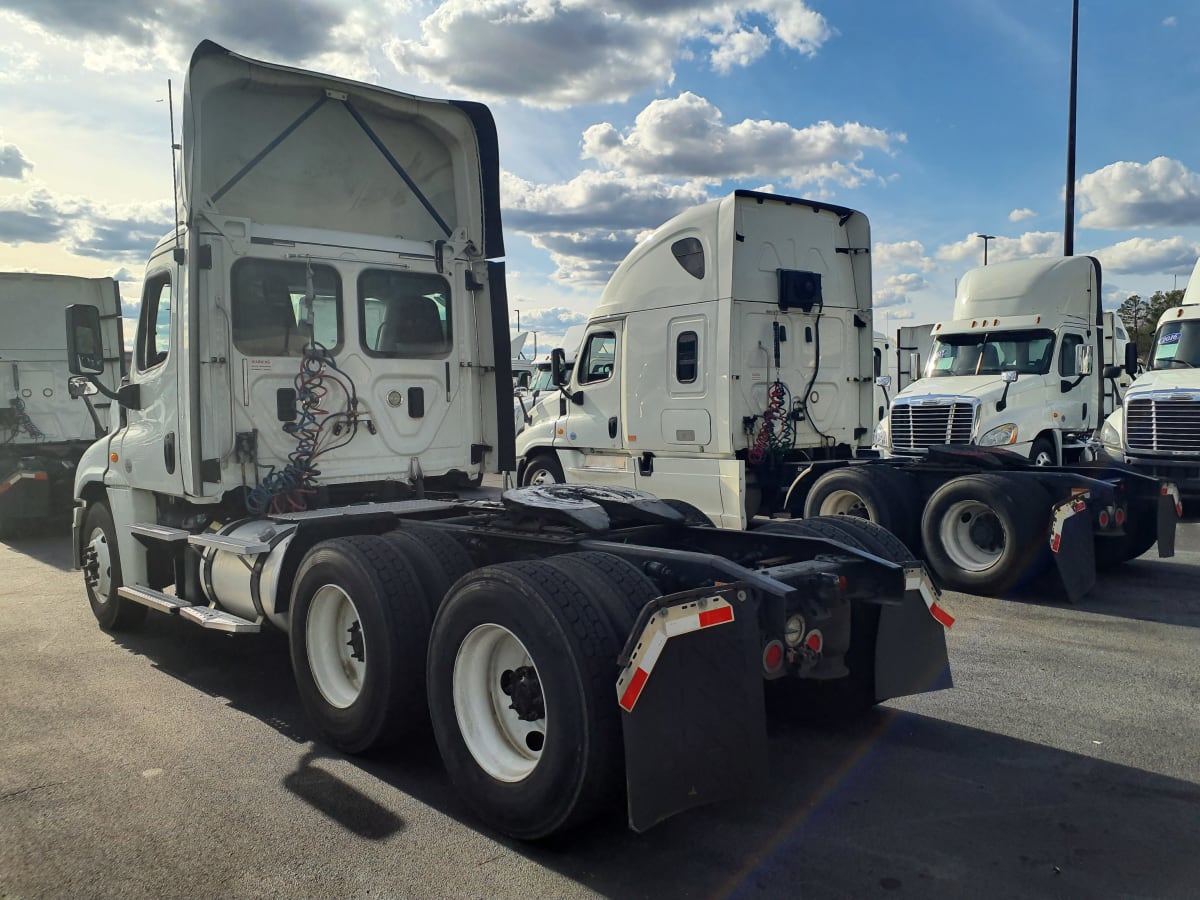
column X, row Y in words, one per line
column 12, row 795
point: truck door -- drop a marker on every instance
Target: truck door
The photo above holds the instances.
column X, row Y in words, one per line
column 151, row 446
column 595, row 427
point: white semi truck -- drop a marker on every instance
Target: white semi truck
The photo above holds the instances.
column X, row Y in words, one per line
column 323, row 342
column 44, row 426
column 729, row 364
column 1157, row 428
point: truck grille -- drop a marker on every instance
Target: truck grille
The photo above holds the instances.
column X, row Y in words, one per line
column 1163, row 425
column 921, row 426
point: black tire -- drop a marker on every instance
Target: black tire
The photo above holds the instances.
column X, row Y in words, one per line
column 1043, row 448
column 438, row 558
column 114, row 613
column 881, row 494
column 692, row 514
column 1141, row 533
column 571, row 647
column 618, row 587
column 393, row 622
column 998, row 538
column 542, row 468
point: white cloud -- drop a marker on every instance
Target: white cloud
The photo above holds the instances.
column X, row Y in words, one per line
column 686, row 137
column 1162, row 192
column 1018, row 215
column 1169, row 22
column 1031, row 243
column 124, row 232
column 1144, row 256
column 741, row 48
column 12, row 163
column 901, row 314
column 895, row 290
column 901, row 254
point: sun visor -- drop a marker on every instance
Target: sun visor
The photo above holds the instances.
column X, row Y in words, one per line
column 282, row 146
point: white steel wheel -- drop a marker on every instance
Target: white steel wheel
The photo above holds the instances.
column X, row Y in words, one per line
column 540, row 475
column 98, row 544
column 336, row 645
column 499, row 703
column 843, row 503
column 972, row 535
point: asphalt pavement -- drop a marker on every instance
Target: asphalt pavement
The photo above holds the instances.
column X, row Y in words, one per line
column 176, row 762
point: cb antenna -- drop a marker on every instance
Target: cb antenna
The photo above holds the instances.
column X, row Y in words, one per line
column 174, row 172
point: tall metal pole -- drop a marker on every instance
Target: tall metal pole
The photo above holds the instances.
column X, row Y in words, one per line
column 1069, row 224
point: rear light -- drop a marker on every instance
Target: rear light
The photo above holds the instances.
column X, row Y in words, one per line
column 1120, row 515
column 815, row 641
column 1103, row 518
column 772, row 657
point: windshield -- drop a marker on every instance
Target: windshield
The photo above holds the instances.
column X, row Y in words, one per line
column 1177, row 345
column 983, row 353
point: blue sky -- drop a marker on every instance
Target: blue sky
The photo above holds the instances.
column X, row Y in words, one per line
column 940, row 119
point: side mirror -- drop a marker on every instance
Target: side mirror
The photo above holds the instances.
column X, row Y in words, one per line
column 883, row 381
column 559, row 373
column 85, row 346
column 1083, row 359
column 1131, row 359
column 78, row 386
column 914, row 365
column 1008, row 376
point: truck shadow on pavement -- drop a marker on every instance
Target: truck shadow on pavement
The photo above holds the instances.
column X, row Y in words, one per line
column 44, row 541
column 895, row 801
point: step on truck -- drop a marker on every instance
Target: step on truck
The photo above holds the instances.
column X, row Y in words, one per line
column 1157, row 428
column 730, row 363
column 307, row 386
column 45, row 422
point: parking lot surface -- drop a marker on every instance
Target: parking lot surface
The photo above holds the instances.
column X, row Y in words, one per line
column 176, row 762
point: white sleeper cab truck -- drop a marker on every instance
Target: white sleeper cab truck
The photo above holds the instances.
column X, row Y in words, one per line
column 1024, row 364
column 44, row 426
column 731, row 344
column 1157, row 429
column 323, row 342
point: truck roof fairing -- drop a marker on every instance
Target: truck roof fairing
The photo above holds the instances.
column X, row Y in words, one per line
column 284, row 146
column 1048, row 287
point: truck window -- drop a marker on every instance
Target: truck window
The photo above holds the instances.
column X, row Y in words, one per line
column 404, row 314
column 689, row 253
column 1028, row 352
column 270, row 299
column 596, row 361
column 1066, row 362
column 687, row 357
column 154, row 324
column 1177, row 345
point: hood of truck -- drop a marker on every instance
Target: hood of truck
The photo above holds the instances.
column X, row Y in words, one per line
column 981, row 387
column 1165, row 380
column 282, row 146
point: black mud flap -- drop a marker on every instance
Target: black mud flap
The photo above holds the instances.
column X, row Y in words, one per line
column 910, row 645
column 1169, row 511
column 1073, row 544
column 691, row 697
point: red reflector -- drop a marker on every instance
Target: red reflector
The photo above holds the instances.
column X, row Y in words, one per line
column 1120, row 516
column 4, row 487
column 629, row 698
column 773, row 656
column 814, row 641
column 1103, row 518
column 1055, row 543
column 716, row 616
column 942, row 616
column 842, row 583
column 41, row 476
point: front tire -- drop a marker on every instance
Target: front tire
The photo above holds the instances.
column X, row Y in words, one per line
column 542, row 468
column 522, row 695
column 1043, row 452
column 359, row 625
column 102, row 573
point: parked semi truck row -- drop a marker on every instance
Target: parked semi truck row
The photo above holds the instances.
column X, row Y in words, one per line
column 304, row 381
column 44, row 428
column 729, row 364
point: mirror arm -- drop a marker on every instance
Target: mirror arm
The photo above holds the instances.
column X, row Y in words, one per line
column 1002, row 403
column 102, row 389
column 100, row 432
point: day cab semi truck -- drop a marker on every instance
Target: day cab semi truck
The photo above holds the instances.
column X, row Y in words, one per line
column 1157, row 428
column 44, row 426
column 729, row 364
column 322, row 351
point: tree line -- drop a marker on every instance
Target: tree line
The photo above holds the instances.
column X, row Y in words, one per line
column 1140, row 315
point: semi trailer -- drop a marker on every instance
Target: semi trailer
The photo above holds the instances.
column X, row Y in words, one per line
column 307, row 385
column 44, row 426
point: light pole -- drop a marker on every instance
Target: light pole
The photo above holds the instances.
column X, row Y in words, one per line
column 985, row 238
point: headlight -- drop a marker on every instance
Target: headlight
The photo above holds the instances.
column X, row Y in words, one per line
column 881, row 434
column 999, row 437
column 1110, row 437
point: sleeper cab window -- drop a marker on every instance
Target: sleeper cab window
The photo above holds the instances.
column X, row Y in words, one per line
column 280, row 306
column 1066, row 362
column 599, row 354
column 687, row 357
column 404, row 315
column 154, row 324
column 689, row 253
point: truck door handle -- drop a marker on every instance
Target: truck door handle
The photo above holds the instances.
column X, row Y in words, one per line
column 169, row 452
column 612, row 427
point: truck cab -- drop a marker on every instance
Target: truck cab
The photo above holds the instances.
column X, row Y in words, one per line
column 1029, row 362
column 1157, row 428
column 730, row 345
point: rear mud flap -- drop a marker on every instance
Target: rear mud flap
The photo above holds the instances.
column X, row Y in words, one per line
column 691, row 697
column 1169, row 511
column 1073, row 545
column 910, row 645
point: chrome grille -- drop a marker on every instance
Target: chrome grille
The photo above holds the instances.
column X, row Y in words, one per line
column 921, row 426
column 1163, row 425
